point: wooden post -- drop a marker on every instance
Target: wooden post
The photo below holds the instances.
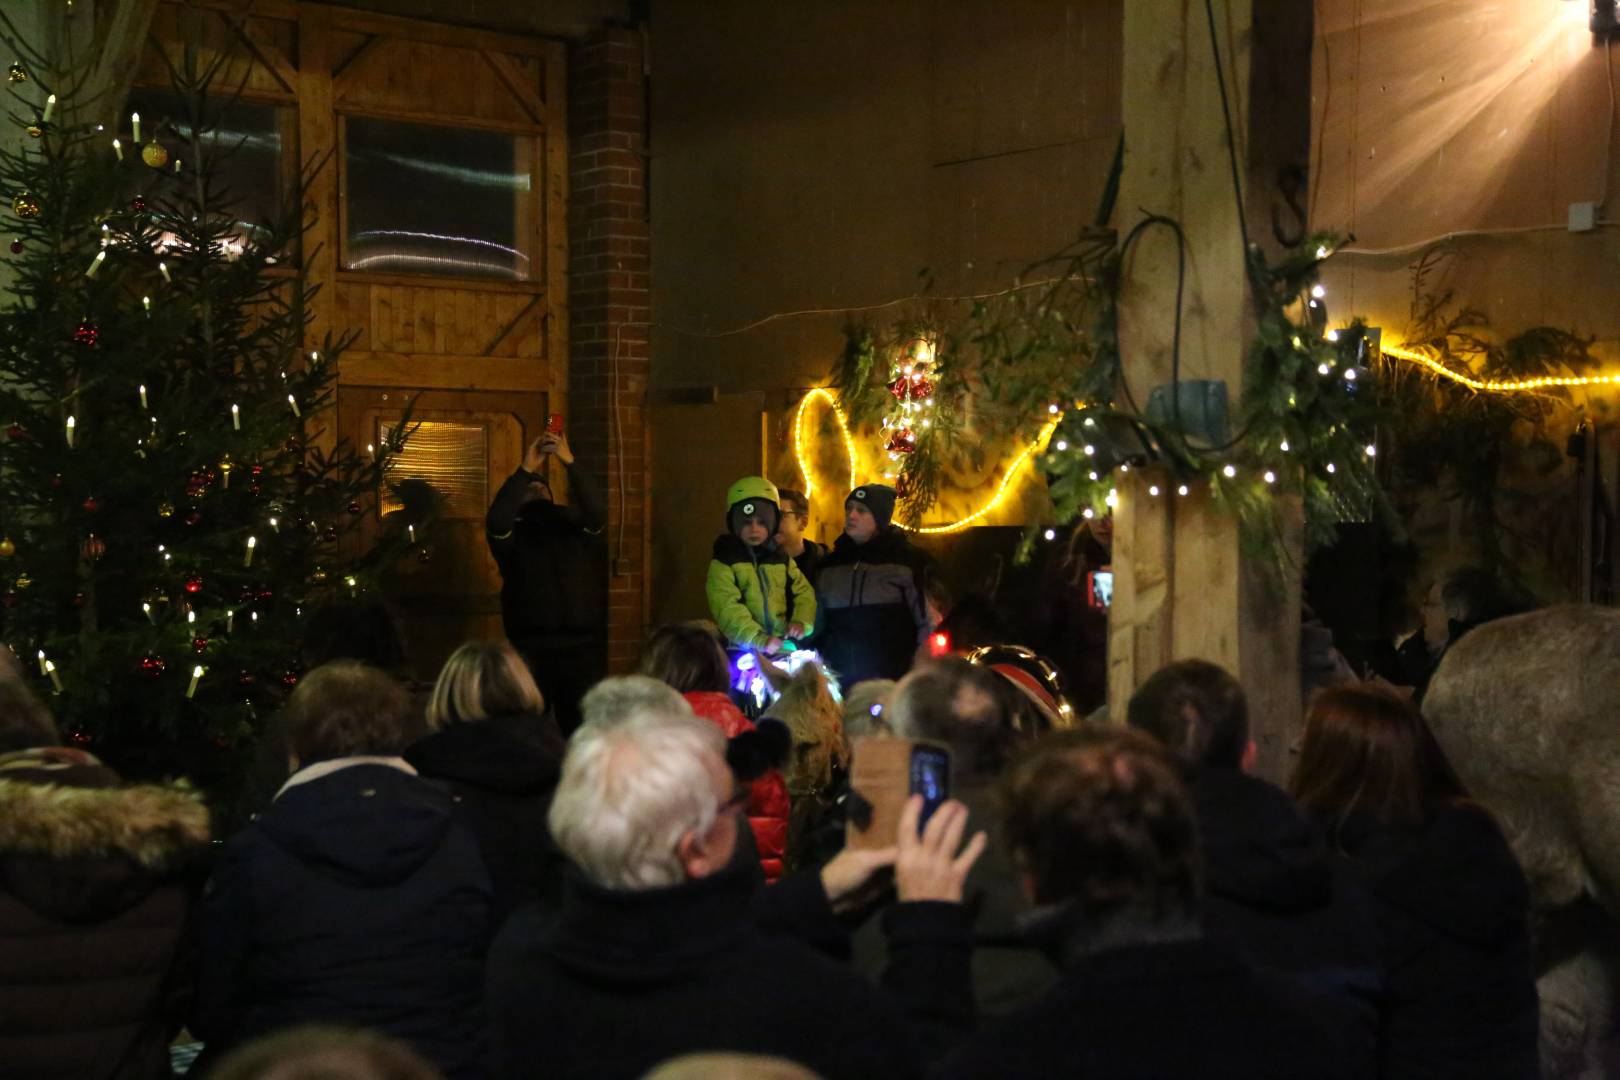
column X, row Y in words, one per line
column 1183, row 588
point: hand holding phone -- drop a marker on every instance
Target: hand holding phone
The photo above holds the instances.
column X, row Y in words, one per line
column 554, row 424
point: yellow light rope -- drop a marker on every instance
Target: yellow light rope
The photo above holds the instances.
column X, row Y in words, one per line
column 1007, row 477
column 1505, row 386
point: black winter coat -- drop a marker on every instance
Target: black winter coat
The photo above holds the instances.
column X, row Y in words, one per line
column 552, row 560
column 1452, row 905
column 96, row 882
column 873, row 604
column 503, row 772
column 357, row 898
column 617, row 982
column 1158, row 1012
column 1272, row 895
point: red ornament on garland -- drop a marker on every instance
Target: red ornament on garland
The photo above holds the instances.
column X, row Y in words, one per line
column 903, row 441
column 87, row 334
column 90, row 505
column 16, row 247
column 152, row 665
column 193, row 584
column 256, row 470
column 138, row 203
column 199, row 643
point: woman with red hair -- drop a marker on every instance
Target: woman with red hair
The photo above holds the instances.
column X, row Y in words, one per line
column 1450, row 899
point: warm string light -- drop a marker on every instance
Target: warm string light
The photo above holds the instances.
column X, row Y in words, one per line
column 799, row 438
column 1505, row 386
column 800, row 449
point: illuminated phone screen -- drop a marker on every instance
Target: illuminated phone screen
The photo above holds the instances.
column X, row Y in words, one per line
column 930, row 778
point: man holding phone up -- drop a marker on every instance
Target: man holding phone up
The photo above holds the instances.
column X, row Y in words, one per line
column 553, row 574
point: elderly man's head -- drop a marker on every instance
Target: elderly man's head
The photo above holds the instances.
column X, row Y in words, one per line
column 646, row 799
column 961, row 705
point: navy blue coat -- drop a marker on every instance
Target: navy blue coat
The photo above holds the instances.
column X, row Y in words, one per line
column 357, row 898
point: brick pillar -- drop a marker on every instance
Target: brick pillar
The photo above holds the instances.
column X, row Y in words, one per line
column 608, row 308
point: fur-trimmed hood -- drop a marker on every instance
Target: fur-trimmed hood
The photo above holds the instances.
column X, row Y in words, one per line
column 76, row 845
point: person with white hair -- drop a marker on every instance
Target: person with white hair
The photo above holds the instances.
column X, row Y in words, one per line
column 660, row 949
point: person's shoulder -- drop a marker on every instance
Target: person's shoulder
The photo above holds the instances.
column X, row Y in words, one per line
column 729, row 549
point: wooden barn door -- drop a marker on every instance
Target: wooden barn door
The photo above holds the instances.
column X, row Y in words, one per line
column 440, row 238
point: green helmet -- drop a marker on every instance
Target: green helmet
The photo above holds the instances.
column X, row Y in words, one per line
column 742, row 496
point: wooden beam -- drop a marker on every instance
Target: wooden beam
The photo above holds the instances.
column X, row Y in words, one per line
column 119, row 55
column 366, row 22
column 420, row 371
column 262, row 46
column 512, row 324
column 512, row 75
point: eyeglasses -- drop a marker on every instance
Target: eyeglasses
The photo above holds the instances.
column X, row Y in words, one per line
column 738, row 800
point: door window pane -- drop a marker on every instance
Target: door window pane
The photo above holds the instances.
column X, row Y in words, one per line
column 241, row 140
column 435, row 200
column 443, row 465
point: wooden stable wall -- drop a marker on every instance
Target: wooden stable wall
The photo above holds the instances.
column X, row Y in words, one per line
column 487, row 356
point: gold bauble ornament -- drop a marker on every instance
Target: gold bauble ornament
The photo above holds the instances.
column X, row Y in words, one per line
column 165, row 509
column 24, row 205
column 23, row 581
column 318, row 576
column 17, row 73
column 154, row 154
column 7, row 548
column 34, row 130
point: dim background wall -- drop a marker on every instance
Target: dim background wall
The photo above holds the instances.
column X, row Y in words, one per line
column 821, row 158
column 1466, row 131
column 1435, row 117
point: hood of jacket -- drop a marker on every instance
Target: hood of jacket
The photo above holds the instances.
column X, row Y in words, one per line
column 77, row 845
column 1455, row 873
column 729, row 549
column 518, row 755
column 888, row 544
column 653, row 937
column 1259, row 850
column 362, row 825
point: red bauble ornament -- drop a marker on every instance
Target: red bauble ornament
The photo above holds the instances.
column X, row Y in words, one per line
column 256, row 470
column 56, row 481
column 78, row 599
column 199, row 643
column 87, row 334
column 138, row 203
column 194, row 517
column 9, row 599
column 16, row 433
column 16, row 247
column 245, row 678
column 899, row 387
column 247, row 593
column 355, row 507
column 329, row 536
column 289, row 678
column 254, row 489
column 193, row 584
column 424, row 554
column 265, row 592
column 93, row 548
column 90, row 505
column 903, row 441
column 152, row 665
column 79, row 738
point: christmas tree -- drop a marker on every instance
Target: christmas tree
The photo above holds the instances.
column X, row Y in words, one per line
column 170, row 503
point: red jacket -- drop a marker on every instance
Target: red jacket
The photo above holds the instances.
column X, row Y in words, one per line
column 768, row 803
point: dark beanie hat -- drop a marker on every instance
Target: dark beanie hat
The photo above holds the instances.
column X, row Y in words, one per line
column 878, row 498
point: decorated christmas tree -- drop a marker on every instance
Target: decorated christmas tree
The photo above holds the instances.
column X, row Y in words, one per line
column 171, row 503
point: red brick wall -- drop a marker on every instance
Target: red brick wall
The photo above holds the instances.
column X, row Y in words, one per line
column 608, row 308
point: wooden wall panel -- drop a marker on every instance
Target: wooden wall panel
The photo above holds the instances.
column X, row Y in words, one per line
column 481, row 352
column 393, row 76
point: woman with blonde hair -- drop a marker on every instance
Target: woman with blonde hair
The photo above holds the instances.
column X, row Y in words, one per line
column 500, row 752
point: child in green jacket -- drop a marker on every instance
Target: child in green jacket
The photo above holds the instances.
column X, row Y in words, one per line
column 757, row 594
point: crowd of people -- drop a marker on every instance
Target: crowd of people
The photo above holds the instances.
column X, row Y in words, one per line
column 478, row 880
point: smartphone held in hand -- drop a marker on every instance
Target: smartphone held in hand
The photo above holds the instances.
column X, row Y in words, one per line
column 884, row 773
column 554, row 424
